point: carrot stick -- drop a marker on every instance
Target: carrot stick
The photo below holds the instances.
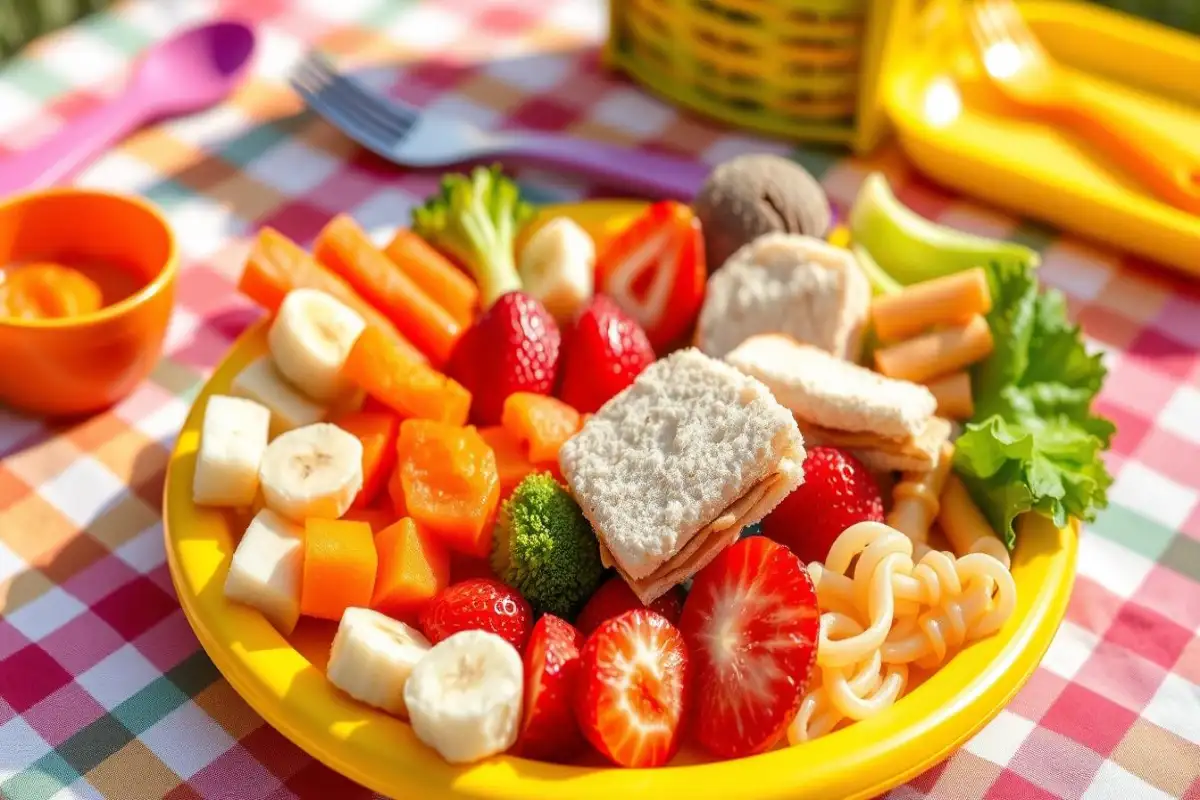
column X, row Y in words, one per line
column 413, row 567
column 345, row 248
column 437, row 275
column 953, row 393
column 543, row 423
column 339, row 567
column 949, row 300
column 377, row 430
column 409, row 388
column 936, row 353
column 276, row 265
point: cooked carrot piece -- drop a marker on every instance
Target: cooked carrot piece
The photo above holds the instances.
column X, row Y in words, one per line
column 949, row 300
column 452, row 288
column 345, row 248
column 377, row 430
column 450, row 483
column 377, row 518
column 544, row 423
column 395, row 490
column 405, row 386
column 339, row 567
column 512, row 460
column 414, row 566
column 277, row 265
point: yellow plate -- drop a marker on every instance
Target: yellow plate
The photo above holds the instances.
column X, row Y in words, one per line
column 957, row 129
column 283, row 679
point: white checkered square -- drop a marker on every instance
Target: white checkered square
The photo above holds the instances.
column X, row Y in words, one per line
column 979, row 221
column 187, row 740
column 16, row 109
column 144, row 552
column 1115, row 567
column 83, row 59
column 164, row 17
column 118, row 677
column 1000, row 739
column 79, row 790
column 343, row 11
column 202, row 226
column 380, row 213
column 49, row 612
column 1112, row 782
column 463, row 110
column 632, row 111
column 1070, row 649
column 15, row 428
column 1079, row 271
column 293, row 168
column 588, row 19
column 427, row 28
column 83, row 491
column 277, row 53
column 163, row 424
column 1153, row 495
column 10, row 563
column 1181, row 415
column 534, row 73
column 212, row 127
column 1176, row 707
column 20, row 745
column 181, row 329
column 118, row 171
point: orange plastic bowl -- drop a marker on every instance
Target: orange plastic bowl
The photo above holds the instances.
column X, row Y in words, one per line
column 78, row 364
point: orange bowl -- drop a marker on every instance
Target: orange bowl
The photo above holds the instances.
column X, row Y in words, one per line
column 77, row 364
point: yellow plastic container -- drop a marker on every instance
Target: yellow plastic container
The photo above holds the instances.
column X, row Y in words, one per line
column 801, row 69
column 284, row 680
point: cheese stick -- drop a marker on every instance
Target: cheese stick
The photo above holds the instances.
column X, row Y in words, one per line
column 915, row 498
column 949, row 300
column 953, row 395
column 965, row 527
column 936, row 353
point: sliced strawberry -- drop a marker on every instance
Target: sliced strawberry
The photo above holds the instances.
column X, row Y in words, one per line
column 548, row 729
column 655, row 271
column 478, row 604
column 614, row 598
column 751, row 624
column 605, row 351
column 633, row 689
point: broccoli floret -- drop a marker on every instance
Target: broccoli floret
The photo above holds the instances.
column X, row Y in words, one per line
column 545, row 548
column 476, row 220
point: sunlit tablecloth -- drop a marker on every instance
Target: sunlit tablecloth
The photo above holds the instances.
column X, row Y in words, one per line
column 103, row 689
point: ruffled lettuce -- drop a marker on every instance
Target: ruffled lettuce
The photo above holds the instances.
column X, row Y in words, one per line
column 1034, row 443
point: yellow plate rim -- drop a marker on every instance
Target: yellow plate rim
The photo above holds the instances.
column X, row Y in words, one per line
column 380, row 752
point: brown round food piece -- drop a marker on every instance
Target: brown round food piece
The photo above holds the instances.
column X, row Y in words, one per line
column 755, row 194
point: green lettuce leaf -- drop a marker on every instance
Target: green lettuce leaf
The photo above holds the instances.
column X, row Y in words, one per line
column 1034, row 443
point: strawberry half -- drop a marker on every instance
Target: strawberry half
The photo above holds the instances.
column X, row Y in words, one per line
column 633, row 689
column 513, row 347
column 548, row 728
column 751, row 624
column 478, row 604
column 606, row 350
column 614, row 598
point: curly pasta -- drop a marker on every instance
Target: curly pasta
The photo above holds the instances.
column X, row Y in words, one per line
column 889, row 613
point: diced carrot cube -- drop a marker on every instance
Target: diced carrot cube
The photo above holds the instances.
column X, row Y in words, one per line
column 339, row 567
column 409, row 388
column 543, row 423
column 414, row 566
column 450, row 484
column 512, row 462
column 378, row 432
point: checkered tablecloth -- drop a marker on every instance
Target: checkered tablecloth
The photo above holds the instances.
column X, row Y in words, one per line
column 104, row 691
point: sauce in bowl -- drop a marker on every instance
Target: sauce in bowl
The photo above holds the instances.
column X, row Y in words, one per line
column 52, row 290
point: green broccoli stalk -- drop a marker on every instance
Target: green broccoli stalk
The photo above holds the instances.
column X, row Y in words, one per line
column 476, row 220
column 545, row 548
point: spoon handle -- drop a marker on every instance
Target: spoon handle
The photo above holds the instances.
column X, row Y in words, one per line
column 72, row 148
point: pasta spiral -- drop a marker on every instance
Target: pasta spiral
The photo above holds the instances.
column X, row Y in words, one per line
column 888, row 613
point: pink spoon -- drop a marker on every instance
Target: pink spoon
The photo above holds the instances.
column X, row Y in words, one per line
column 191, row 71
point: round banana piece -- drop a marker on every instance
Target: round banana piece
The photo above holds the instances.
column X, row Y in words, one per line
column 372, row 657
column 464, row 697
column 312, row 472
column 556, row 267
column 310, row 340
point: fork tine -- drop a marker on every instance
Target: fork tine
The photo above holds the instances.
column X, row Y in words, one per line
column 366, row 134
column 363, row 116
column 394, row 114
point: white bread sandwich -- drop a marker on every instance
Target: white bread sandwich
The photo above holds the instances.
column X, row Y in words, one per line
column 786, row 283
column 671, row 469
column 888, row 424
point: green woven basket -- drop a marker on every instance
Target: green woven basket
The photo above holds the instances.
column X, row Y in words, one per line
column 22, row 21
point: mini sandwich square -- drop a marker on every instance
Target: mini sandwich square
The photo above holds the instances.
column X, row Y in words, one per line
column 670, row 470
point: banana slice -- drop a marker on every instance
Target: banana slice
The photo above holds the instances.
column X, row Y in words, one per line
column 556, row 267
column 266, row 566
column 261, row 382
column 312, row 472
column 464, row 697
column 310, row 341
column 233, row 439
column 373, row 656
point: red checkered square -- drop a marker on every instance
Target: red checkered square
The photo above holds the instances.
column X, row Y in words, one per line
column 437, row 75
column 236, row 767
column 1093, row 606
column 925, row 198
column 275, row 752
column 299, row 221
column 1132, row 426
column 161, row 577
column 1173, row 456
column 1116, row 674
column 1191, row 525
column 345, row 189
column 135, row 607
column 506, row 20
column 63, row 714
column 202, row 349
column 1089, row 718
column 1011, row 786
column 254, row 13
column 29, row 676
column 1037, row 696
column 82, row 643
column 542, row 113
column 11, row 639
column 168, row 643
column 99, row 579
column 6, row 712
column 1149, row 634
column 1172, row 595
column 1165, row 354
column 1138, row 386
column 204, row 290
column 1055, row 763
column 1105, row 325
column 316, row 780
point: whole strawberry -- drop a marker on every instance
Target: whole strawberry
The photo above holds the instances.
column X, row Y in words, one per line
column 837, row 492
column 606, row 350
column 478, row 604
column 513, row 347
